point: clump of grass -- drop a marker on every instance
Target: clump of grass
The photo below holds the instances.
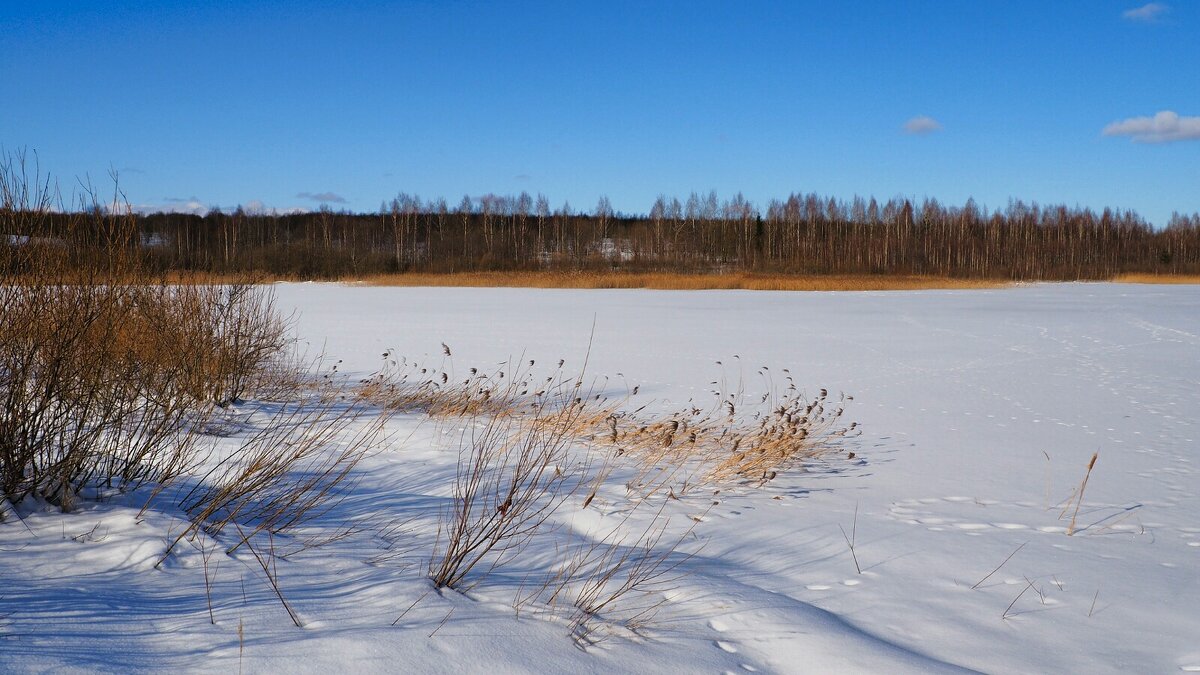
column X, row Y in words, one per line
column 795, row 429
column 510, row 388
column 727, row 443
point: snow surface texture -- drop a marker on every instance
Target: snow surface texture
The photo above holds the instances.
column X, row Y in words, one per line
column 979, row 409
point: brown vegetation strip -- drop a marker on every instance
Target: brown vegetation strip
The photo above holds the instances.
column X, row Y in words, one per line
column 658, row 280
column 1157, row 279
column 669, row 281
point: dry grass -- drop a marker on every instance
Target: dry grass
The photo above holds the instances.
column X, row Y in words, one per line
column 678, row 281
column 731, row 441
column 434, row 389
column 666, row 280
column 203, row 278
column 1157, row 279
column 735, row 442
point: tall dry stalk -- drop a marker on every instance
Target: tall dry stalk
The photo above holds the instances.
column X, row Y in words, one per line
column 1079, row 496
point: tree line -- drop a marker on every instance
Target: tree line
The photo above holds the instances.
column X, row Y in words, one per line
column 802, row 234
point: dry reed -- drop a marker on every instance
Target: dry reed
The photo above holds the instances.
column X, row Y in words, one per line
column 677, row 281
column 1079, row 497
column 1170, row 279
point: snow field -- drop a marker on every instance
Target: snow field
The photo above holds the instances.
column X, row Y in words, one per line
column 979, row 411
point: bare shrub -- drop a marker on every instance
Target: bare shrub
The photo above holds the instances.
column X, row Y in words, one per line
column 294, row 468
column 515, row 470
column 105, row 371
column 87, row 393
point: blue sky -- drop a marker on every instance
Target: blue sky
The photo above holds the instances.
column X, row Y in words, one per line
column 289, row 104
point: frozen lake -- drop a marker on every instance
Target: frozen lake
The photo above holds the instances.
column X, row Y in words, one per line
column 979, row 413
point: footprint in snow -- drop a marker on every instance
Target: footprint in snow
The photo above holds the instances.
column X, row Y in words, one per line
column 726, row 647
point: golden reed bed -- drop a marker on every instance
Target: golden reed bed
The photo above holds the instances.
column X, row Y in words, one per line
column 669, row 281
column 1158, row 279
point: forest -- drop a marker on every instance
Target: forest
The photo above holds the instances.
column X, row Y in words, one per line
column 804, row 234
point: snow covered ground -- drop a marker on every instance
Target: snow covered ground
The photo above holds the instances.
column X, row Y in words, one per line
column 979, row 411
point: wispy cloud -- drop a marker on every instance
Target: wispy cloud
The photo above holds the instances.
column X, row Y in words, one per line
column 255, row 207
column 1147, row 13
column 922, row 125
column 324, row 197
column 174, row 205
column 194, row 206
column 1165, row 127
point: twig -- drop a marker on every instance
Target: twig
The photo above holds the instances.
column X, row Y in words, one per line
column 1093, row 607
column 241, row 644
column 989, row 574
column 415, row 602
column 1010, row 605
column 205, row 554
column 1047, row 479
column 852, row 538
column 1041, row 595
column 267, row 564
column 443, row 623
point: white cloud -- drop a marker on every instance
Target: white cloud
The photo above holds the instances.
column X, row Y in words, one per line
column 1147, row 13
column 325, row 197
column 1165, row 127
column 174, row 205
column 192, row 205
column 922, row 125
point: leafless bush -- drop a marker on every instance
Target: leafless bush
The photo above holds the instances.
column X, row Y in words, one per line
column 514, row 472
column 294, row 468
column 249, row 333
column 89, row 394
column 104, row 370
